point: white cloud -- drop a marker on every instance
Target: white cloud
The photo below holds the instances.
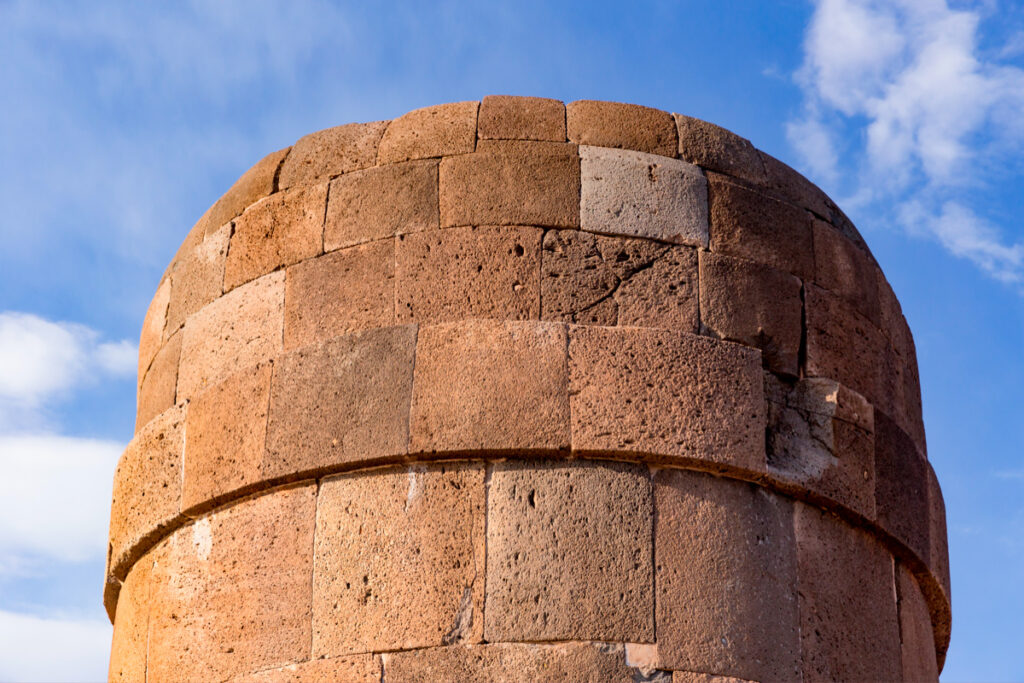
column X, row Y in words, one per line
column 34, row 648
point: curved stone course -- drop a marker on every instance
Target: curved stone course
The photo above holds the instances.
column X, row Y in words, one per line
column 590, row 390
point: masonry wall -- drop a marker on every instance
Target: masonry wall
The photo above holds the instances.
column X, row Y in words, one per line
column 516, row 390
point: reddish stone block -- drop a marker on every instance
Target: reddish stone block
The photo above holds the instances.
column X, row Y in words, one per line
column 255, row 184
column 666, row 393
column 503, row 117
column 569, row 552
column 751, row 225
column 901, row 487
column 691, row 677
column 157, row 388
column 278, row 231
column 512, row 183
column 151, row 338
column 939, row 544
column 848, row 625
column 626, row 126
column 131, row 627
column 725, row 564
column 363, row 668
column 339, row 293
column 226, row 430
column 381, row 202
column 341, row 401
column 755, row 305
column 846, row 271
column 441, row 130
column 496, row 385
column 472, row 272
column 197, row 278
column 786, row 183
column 717, row 149
column 399, row 559
column 231, row 592
column 917, row 643
column 327, row 153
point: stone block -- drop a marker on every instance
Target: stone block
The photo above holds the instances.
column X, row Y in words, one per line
column 487, row 384
column 341, row 401
column 364, row 668
column 381, row 202
column 569, row 552
column 231, row 592
column 717, row 149
column 327, row 153
column 725, row 563
column 626, row 126
column 753, row 304
column 157, row 389
column 901, row 487
column 197, row 278
column 503, row 117
column 470, row 272
column 843, row 269
column 151, row 339
column 226, row 430
column 255, row 184
column 786, row 183
column 588, row 278
column 917, row 642
column 643, row 195
column 238, row 330
column 666, row 393
column 692, row 677
column 339, row 293
column 512, row 183
column 848, row 625
column 938, row 540
column 441, row 130
column 280, row 230
column 131, row 627
column 399, row 559
column 147, row 488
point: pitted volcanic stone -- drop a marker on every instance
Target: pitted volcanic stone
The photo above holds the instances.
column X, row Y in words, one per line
column 783, row 181
column 917, row 642
column 152, row 337
column 845, row 270
column 197, row 278
column 352, row 669
column 441, row 130
column 901, row 486
column 503, row 117
column 327, row 153
column 158, row 389
column 717, row 149
column 131, row 626
column 626, row 126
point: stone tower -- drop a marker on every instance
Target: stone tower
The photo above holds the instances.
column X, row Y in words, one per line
column 514, row 390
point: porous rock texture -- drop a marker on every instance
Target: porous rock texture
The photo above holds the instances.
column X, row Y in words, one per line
column 518, row 390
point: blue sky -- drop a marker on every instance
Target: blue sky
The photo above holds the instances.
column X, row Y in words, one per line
column 123, row 122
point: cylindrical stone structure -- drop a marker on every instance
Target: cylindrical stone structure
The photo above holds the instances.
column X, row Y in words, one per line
column 515, row 390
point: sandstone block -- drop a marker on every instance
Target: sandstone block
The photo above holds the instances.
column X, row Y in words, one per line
column 786, row 183
column 917, row 642
column 470, row 272
column 363, row 668
column 848, row 624
column 255, row 184
column 754, row 226
column 197, row 278
column 588, row 278
column 441, row 130
column 512, row 183
column 725, row 562
column 231, row 592
column 278, row 231
column 901, row 487
column 399, row 559
column 503, row 117
column 226, row 429
column 238, row 330
column 666, row 393
column 569, row 552
column 753, row 304
column 643, row 195
column 496, row 385
column 626, row 126
column 131, row 627
column 157, row 388
column 338, row 293
column 151, row 338
column 845, row 270
column 381, row 202
column 717, row 149
column 327, row 153
column 344, row 400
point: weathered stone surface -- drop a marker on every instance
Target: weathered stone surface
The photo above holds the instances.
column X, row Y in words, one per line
column 751, row 225
column 441, row 130
column 147, row 487
column 848, row 624
column 399, row 559
column 845, row 270
column 483, row 384
column 363, row 668
column 503, row 117
column 753, row 304
column 917, row 642
column 569, row 552
column 256, row 183
column 339, row 293
column 726, row 566
column 381, row 202
column 939, row 555
column 151, row 338
column 512, row 183
column 691, row 677
column 157, row 390
column 717, row 149
column 626, row 126
column 901, row 487
column 511, row 663
column 344, row 400
column 197, row 278
column 588, row 278
column 470, row 272
column 666, row 393
column 784, row 182
column 322, row 155
column 131, row 627
column 231, row 592
column 278, row 231
column 643, row 195
column 238, row 330
column 226, row 429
